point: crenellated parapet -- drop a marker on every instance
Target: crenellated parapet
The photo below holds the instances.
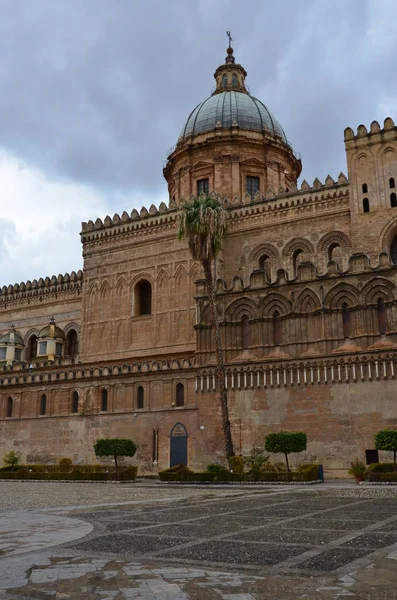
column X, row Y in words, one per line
column 375, row 131
column 153, row 220
column 39, row 288
column 141, row 222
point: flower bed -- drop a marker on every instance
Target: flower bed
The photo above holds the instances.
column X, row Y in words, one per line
column 182, row 474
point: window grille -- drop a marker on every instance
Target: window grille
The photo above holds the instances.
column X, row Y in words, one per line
column 42, row 348
column 252, row 185
column 43, row 404
column 75, row 402
column 203, row 186
column 9, row 406
column 3, row 352
column 104, row 400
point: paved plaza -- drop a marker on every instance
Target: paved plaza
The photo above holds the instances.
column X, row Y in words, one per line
column 305, row 542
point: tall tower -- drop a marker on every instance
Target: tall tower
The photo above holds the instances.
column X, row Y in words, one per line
column 231, row 144
column 372, row 169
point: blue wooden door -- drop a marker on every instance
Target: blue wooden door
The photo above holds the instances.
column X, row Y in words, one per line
column 178, row 445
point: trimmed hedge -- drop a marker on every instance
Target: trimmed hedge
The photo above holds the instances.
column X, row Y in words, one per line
column 308, row 472
column 381, row 467
column 78, row 474
column 373, row 476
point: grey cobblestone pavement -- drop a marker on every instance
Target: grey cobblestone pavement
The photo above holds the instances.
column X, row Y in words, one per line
column 237, row 544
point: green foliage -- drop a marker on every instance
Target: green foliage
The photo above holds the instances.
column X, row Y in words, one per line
column 114, row 447
column 202, row 221
column 380, row 468
column 286, row 442
column 237, row 464
column 387, row 440
column 257, row 459
column 382, row 477
column 216, row 468
column 65, row 464
column 357, row 468
column 182, row 473
column 11, row 459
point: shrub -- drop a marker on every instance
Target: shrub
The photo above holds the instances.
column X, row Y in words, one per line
column 357, row 469
column 382, row 477
column 237, row 464
column 380, row 467
column 217, row 468
column 128, row 473
column 114, row 447
column 387, row 440
column 172, row 474
column 286, row 442
column 256, row 460
column 11, row 459
column 65, row 465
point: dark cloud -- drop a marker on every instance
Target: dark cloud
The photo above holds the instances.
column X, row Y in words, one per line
column 96, row 92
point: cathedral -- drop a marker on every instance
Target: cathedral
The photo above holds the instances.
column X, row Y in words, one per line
column 306, row 286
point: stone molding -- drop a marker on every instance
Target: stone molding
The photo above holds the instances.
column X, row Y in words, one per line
column 21, row 374
column 346, row 369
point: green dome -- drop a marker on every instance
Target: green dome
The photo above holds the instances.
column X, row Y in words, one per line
column 51, row 331
column 7, row 338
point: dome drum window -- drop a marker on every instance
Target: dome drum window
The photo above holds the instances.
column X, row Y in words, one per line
column 252, row 185
column 203, row 186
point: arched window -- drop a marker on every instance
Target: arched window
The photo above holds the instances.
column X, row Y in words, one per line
column 276, row 328
column 75, row 402
column 392, row 183
column 334, row 251
column 381, row 316
column 72, row 343
column 224, row 81
column 393, row 200
column 32, row 348
column 296, row 259
column 264, row 264
column 43, row 404
column 234, row 80
column 104, row 400
column 9, row 406
column 393, row 251
column 365, row 188
column 245, row 333
column 140, row 397
column 143, row 298
column 346, row 320
column 366, row 205
column 180, row 395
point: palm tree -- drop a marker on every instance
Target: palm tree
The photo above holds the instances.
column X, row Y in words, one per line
column 202, row 221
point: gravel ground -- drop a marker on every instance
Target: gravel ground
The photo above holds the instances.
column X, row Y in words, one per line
column 16, row 495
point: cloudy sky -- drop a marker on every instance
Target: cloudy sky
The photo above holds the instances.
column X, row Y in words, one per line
column 94, row 92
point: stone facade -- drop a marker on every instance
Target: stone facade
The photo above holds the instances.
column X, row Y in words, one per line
column 307, row 293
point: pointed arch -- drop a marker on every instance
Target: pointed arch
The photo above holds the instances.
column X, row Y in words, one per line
column 105, row 300
column 274, row 302
column 342, row 293
column 240, row 307
column 93, row 297
column 307, row 301
column 122, row 296
column 376, row 288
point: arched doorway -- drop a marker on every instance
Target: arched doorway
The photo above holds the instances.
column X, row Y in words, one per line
column 178, row 445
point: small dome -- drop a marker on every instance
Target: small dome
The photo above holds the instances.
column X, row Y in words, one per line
column 51, row 331
column 11, row 337
column 231, row 108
